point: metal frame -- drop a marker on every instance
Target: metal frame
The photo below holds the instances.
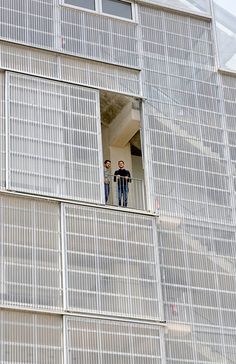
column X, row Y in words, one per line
column 63, row 257
column 98, row 9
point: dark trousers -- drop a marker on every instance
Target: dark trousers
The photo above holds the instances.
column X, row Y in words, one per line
column 107, row 191
column 123, row 191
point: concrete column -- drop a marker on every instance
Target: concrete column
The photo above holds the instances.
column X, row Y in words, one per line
column 124, row 126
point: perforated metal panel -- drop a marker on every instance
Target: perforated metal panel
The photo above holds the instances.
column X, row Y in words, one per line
column 100, row 341
column 30, row 253
column 71, row 69
column 111, row 262
column 54, row 139
column 30, row 338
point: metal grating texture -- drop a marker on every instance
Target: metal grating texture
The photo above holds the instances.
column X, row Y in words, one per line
column 185, row 139
column 100, row 37
column 196, row 6
column 30, row 253
column 198, row 279
column 76, row 70
column 100, row 342
column 46, row 24
column 199, row 344
column 28, row 21
column 54, row 139
column 189, row 175
column 229, row 95
column 189, row 161
column 99, row 75
column 111, row 262
column 2, row 132
column 30, row 338
column 198, row 269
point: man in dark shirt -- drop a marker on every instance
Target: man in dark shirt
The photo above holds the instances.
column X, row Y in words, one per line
column 122, row 177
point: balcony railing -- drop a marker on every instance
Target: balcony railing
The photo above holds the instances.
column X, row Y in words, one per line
column 127, row 193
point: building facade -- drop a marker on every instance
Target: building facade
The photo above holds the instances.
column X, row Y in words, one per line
column 151, row 83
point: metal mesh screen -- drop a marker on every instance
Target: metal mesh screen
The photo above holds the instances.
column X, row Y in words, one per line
column 102, row 76
column 200, row 344
column 28, row 21
column 185, row 136
column 187, row 144
column 99, row 341
column 198, row 278
column 54, row 140
column 71, row 69
column 199, row 6
column 30, row 254
column 189, row 175
column 229, row 95
column 2, row 132
column 197, row 262
column 30, row 338
column 46, row 24
column 100, row 37
column 111, row 262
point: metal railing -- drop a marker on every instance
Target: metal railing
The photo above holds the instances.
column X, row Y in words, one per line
column 126, row 192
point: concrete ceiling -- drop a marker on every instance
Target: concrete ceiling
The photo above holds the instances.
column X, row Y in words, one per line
column 111, row 104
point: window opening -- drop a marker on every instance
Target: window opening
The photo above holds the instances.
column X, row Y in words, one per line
column 88, row 4
column 120, row 118
column 122, row 9
column 118, row 8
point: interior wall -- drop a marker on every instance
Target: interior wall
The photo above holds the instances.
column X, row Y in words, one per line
column 121, row 154
column 137, row 165
column 105, row 143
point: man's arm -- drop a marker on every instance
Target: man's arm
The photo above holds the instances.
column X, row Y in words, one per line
column 116, row 173
column 129, row 176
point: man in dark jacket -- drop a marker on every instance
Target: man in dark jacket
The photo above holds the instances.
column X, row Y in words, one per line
column 122, row 177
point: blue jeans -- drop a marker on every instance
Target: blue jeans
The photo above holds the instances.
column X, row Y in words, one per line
column 123, row 190
column 107, row 191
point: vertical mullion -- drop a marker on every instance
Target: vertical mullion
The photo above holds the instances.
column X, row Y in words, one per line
column 100, row 152
column 65, row 339
column 98, row 6
column 2, row 261
column 7, row 127
column 64, row 257
column 157, row 251
column 145, row 146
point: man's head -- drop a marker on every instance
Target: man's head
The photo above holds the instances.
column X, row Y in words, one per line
column 107, row 163
column 121, row 164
